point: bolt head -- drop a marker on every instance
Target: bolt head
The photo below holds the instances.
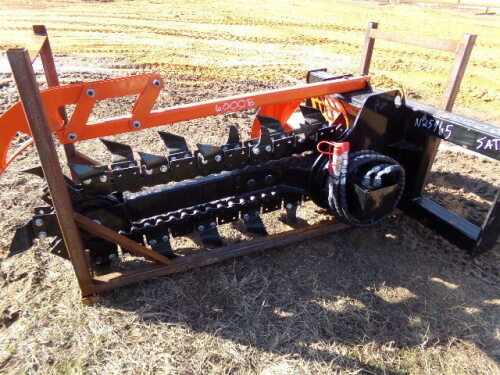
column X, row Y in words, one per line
column 301, row 140
column 42, row 234
column 136, row 124
column 256, row 150
column 148, row 171
column 97, row 221
column 90, row 93
column 156, row 83
column 246, row 217
column 213, row 224
column 201, row 228
column 165, row 238
column 103, row 178
column 269, row 179
column 218, row 158
column 72, row 136
column 257, row 213
column 87, row 182
column 163, row 168
column 153, row 242
column 251, row 182
column 289, row 205
column 268, row 148
column 112, row 256
column 38, row 222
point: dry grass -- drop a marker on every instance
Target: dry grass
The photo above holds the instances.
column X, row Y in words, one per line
column 335, row 305
column 392, row 300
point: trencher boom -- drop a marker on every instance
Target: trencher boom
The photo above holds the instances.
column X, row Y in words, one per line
column 352, row 149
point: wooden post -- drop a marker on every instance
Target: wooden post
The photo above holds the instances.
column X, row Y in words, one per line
column 368, row 49
column 461, row 61
column 449, row 96
column 462, row 52
column 29, row 93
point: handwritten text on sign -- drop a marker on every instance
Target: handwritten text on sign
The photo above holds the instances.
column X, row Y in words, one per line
column 487, row 143
column 435, row 126
column 235, row 105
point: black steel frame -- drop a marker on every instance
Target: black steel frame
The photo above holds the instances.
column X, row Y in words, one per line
column 408, row 131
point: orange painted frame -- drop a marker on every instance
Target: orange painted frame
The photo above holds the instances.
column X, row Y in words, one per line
column 147, row 86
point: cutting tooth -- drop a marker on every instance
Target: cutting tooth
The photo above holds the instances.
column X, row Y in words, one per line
column 312, row 116
column 291, row 213
column 265, row 137
column 164, row 248
column 119, row 151
column 234, row 136
column 253, row 223
column 58, row 247
column 309, row 129
column 84, row 172
column 23, row 239
column 207, row 150
column 152, row 161
column 314, row 120
column 272, row 124
column 209, row 234
column 264, row 140
column 37, row 171
column 174, row 143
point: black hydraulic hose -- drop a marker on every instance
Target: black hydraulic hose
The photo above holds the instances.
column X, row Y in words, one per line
column 378, row 166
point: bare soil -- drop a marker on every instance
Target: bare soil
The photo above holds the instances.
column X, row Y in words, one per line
column 395, row 299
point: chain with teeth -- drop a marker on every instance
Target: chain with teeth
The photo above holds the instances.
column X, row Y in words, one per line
column 127, row 174
column 153, row 217
column 238, row 180
column 203, row 219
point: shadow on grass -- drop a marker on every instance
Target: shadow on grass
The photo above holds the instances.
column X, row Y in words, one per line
column 388, row 288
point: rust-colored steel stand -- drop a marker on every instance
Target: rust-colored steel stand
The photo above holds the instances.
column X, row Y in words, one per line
column 69, row 221
column 29, row 93
column 41, row 47
column 205, row 258
column 49, row 67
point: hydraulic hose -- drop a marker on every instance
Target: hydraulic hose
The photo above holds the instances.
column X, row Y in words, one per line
column 370, row 170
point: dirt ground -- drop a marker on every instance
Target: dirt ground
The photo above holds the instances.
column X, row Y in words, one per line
column 395, row 299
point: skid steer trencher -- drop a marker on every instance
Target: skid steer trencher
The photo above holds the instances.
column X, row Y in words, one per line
column 350, row 148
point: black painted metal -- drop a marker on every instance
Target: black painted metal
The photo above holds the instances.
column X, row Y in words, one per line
column 199, row 205
column 407, row 131
column 127, row 174
column 490, row 230
column 449, row 225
